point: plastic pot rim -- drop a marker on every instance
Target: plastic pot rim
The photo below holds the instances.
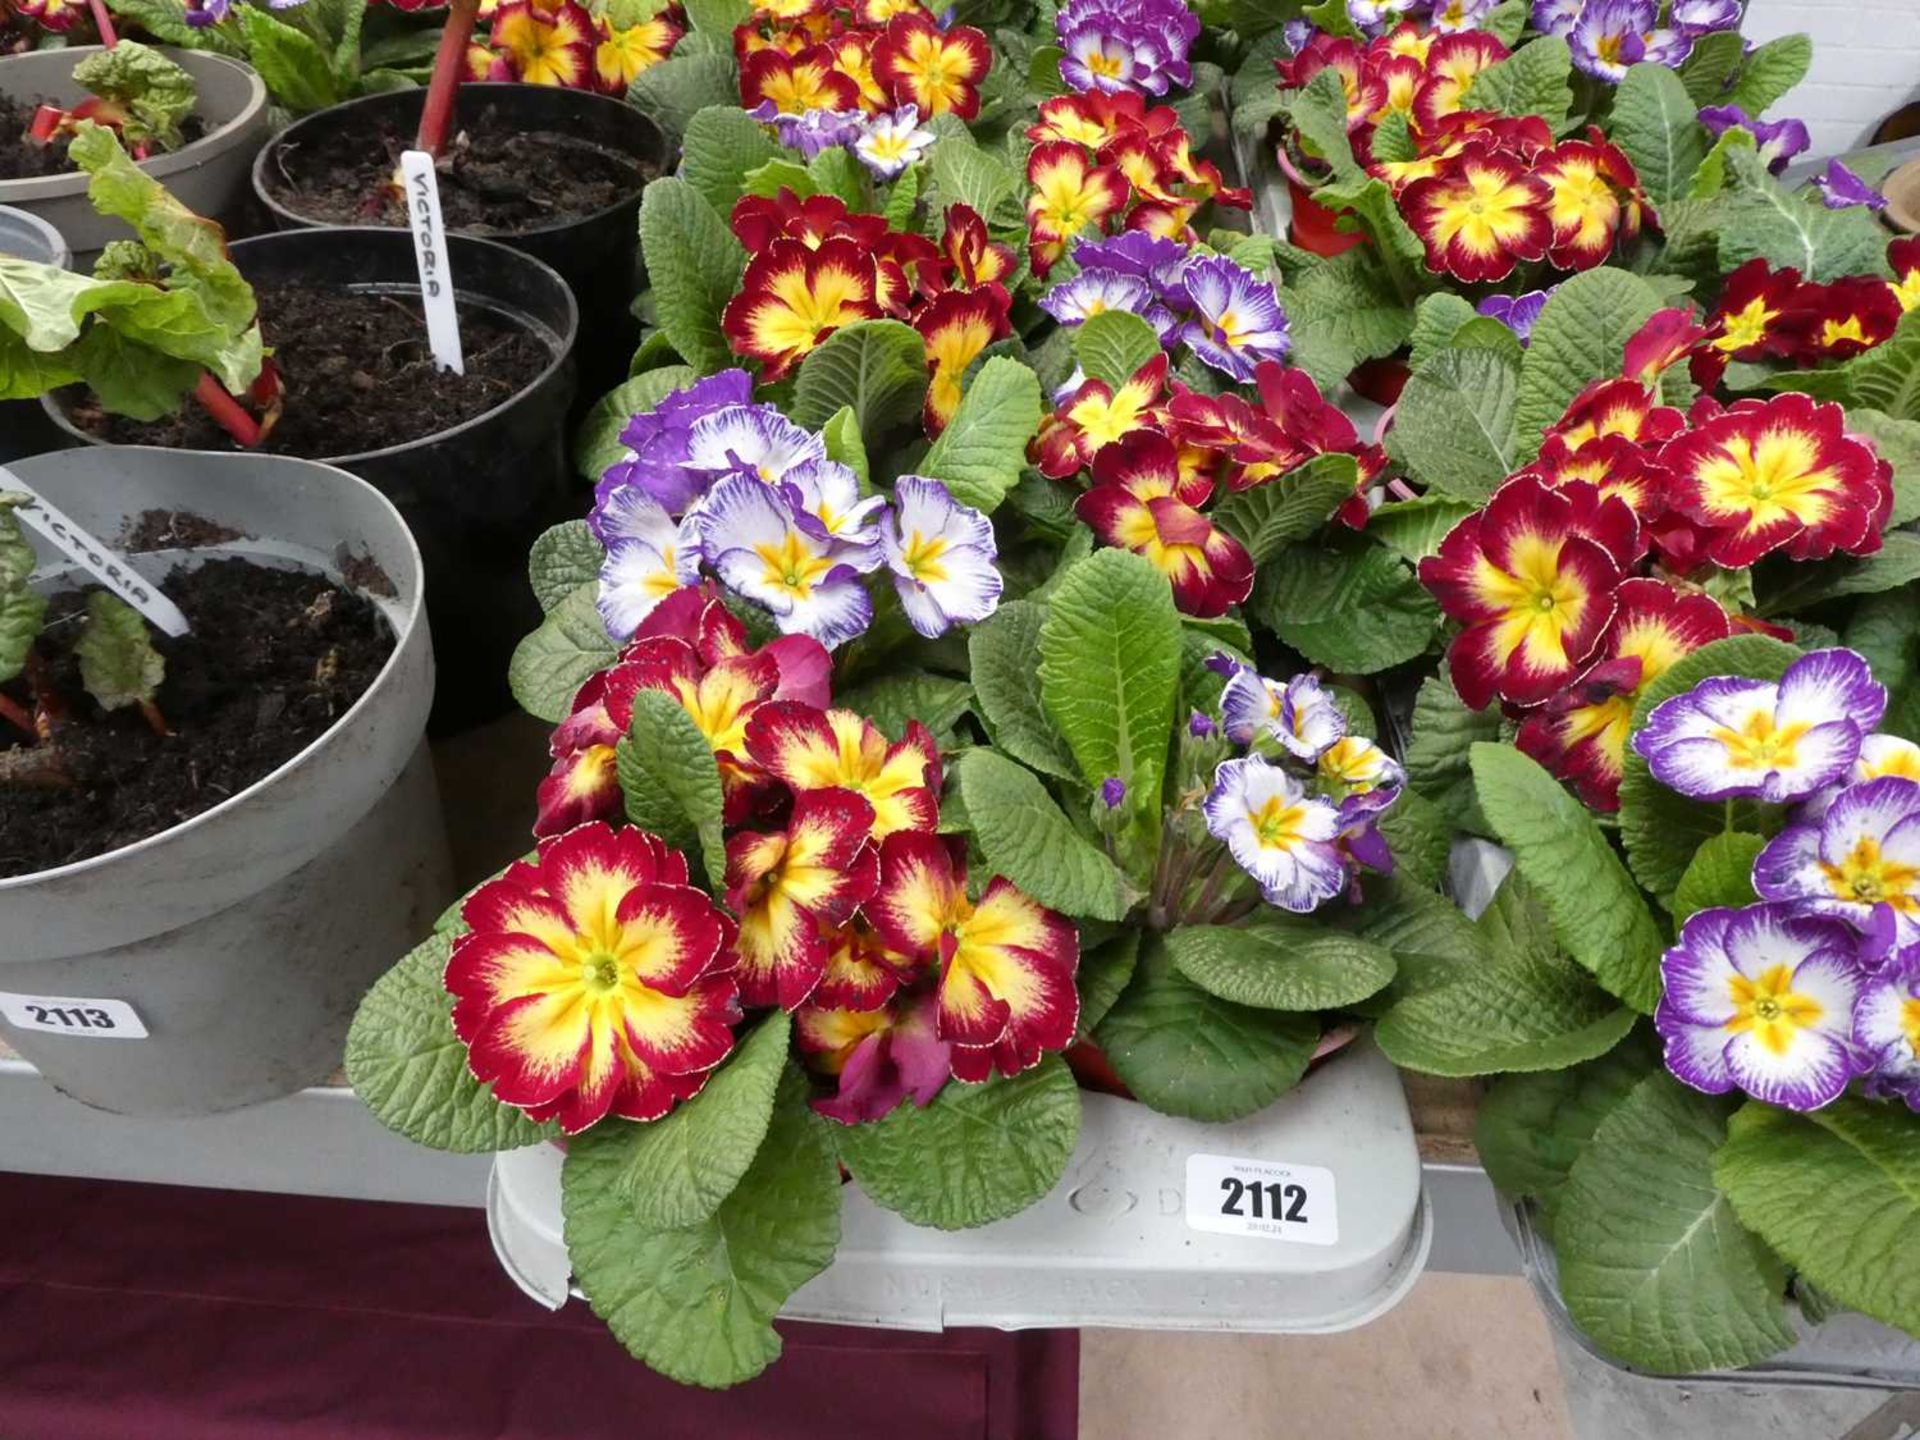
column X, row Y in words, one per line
column 48, row 232
column 586, row 98
column 415, row 611
column 568, row 339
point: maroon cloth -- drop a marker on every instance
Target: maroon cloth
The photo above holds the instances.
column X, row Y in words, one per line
column 150, row 1312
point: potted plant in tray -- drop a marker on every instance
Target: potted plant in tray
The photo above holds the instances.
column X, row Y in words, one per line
column 1650, row 707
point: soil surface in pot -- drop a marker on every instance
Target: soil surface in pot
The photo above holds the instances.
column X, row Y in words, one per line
column 358, row 377
column 273, row 658
column 495, row 179
column 24, row 159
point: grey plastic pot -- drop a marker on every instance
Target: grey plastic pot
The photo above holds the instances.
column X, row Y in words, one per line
column 24, row 429
column 243, row 938
column 209, row 176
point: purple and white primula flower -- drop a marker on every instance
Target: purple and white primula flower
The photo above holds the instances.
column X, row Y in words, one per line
column 1777, row 141
column 813, row 131
column 1276, row 832
column 941, row 554
column 826, row 501
column 1115, row 45
column 1517, row 312
column 658, row 443
column 753, row 440
column 1556, row 17
column 1782, row 742
column 1859, row 862
column 1694, row 18
column 1453, row 16
column 1233, row 318
column 754, row 540
column 1762, row 1000
column 1095, row 292
column 1359, row 775
column 1610, row 37
column 889, row 143
column 1300, row 714
column 649, row 556
column 1841, row 189
column 1886, row 1028
column 1378, row 16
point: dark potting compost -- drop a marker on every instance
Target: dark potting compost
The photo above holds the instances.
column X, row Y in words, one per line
column 24, row 159
column 358, row 375
column 273, row 659
column 495, row 179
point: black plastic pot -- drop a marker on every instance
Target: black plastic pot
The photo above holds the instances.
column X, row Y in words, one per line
column 599, row 255
column 475, row 496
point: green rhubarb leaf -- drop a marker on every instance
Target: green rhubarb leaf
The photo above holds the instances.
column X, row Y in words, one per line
column 936, row 701
column 671, row 781
column 410, row 1069
column 1346, row 603
column 1770, row 72
column 596, row 444
column 1660, row 829
column 693, row 263
column 118, row 664
column 564, row 558
column 876, row 368
column 1111, row 346
column 156, row 94
column 22, row 614
column 1720, row 874
column 1288, row 507
column 1535, row 80
column 1003, row 653
column 555, row 660
column 697, row 1303
column 678, row 1170
column 1023, row 835
column 1655, row 1267
column 1598, row 912
column 1188, row 1053
column 1657, row 125
column 980, row 454
column 1836, row 1194
column 1276, row 963
column 977, row 1154
column 1582, row 333
column 1455, row 427
column 1110, row 676
column 1526, row 1006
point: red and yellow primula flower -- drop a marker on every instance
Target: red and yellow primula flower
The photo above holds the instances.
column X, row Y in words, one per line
column 793, row 297
column 1006, row 991
column 1452, row 63
column 795, row 84
column 1532, row 577
column 1069, row 194
column 1480, row 216
column 972, row 257
column 938, row 70
column 1903, row 255
column 1845, row 317
column 594, row 980
column 546, row 44
column 1140, row 502
column 791, row 887
column 620, row 55
column 1746, row 324
column 1779, row 474
column 1581, row 734
column 1618, row 407
column 808, row 748
column 957, row 326
column 1584, row 201
column 1096, row 415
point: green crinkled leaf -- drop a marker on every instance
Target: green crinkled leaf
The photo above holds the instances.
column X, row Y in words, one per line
column 1711, row 67
column 1660, row 829
column 1343, row 311
column 671, row 781
column 596, row 444
column 1455, row 425
column 118, row 664
column 1188, row 1053
column 1654, row 1266
column 1438, row 755
column 1110, row 676
column 1598, row 912
column 294, row 67
column 1535, row 80
column 1770, row 72
column 1721, row 875
column 563, row 559
column 1393, row 139
column 1420, row 837
column 157, row 94
column 1317, row 112
column 1024, row 836
column 1582, row 333
column 1885, row 379
column 876, row 368
column 679, row 1169
column 1288, row 507
column 1112, row 345
column 410, row 1069
column 722, row 144
column 841, row 435
column 1789, row 588
column 783, row 172
column 975, row 177
column 680, row 87
column 1436, row 320
column 1104, row 973
column 835, row 172
column 1003, row 653
column 555, row 660
column 980, row 454
column 1525, row 1006
column 1898, row 442
column 1043, row 72
column 696, row 1304
column 1765, row 221
column 1348, row 604
column 1414, row 528
column 1656, row 124
column 977, row 1154
column 936, row 701
column 1531, row 1128
column 1275, row 963
column 1711, row 178
column 1836, row 1193
column 1506, row 20
column 694, row 264
column 22, row 613
column 901, row 200
column 718, row 17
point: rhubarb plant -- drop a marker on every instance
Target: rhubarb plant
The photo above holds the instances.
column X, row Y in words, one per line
column 137, row 91
column 161, row 317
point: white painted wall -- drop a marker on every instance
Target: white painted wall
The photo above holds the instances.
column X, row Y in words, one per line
column 1866, row 62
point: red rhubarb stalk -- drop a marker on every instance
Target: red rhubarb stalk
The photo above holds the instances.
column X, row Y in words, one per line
column 46, row 121
column 436, row 117
column 14, row 711
column 229, row 412
column 103, row 22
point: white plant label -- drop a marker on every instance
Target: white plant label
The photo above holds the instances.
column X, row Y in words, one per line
column 1267, row 1198
column 430, row 254
column 84, row 1019
column 108, row 566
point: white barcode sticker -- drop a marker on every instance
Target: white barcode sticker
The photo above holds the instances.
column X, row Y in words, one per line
column 430, row 254
column 1267, row 1198
column 87, row 1019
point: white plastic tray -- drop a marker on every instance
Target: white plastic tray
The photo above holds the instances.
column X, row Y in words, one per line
column 1111, row 1246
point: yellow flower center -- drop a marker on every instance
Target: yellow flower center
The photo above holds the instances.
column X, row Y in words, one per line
column 1539, row 601
column 1277, row 823
column 792, row 565
column 1906, row 289
column 1760, row 745
column 1836, row 331
column 1108, row 67
column 1746, row 327
column 1777, row 477
column 1910, row 1022
column 1868, row 877
column 1771, row 1008
column 922, row 555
